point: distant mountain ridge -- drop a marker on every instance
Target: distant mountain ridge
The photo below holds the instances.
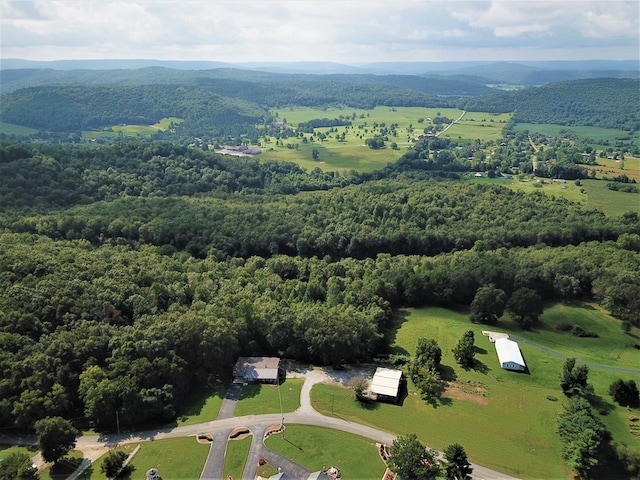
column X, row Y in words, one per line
column 525, row 73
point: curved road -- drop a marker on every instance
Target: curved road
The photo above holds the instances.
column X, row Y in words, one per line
column 305, row 415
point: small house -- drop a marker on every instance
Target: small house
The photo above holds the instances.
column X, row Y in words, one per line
column 256, row 370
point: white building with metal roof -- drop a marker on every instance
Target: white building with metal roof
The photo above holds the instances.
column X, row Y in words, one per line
column 509, row 355
column 386, row 384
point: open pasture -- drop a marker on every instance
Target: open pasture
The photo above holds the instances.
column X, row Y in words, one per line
column 595, row 134
column 478, row 125
column 611, row 202
column 630, row 167
column 505, row 420
column 132, row 130
column 11, row 129
column 530, row 184
column 353, row 154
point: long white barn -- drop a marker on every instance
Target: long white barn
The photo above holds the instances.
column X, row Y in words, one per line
column 509, row 355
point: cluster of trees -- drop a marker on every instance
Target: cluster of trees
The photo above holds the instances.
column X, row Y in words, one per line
column 582, row 435
column 423, row 369
column 411, row 460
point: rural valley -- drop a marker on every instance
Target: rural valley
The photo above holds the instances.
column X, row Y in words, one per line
column 157, row 223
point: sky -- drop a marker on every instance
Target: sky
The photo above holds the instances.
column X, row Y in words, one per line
column 345, row 31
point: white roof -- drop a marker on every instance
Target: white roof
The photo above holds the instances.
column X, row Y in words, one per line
column 508, row 351
column 386, row 382
column 257, row 368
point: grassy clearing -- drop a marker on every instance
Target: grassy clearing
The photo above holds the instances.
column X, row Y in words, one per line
column 12, row 129
column 529, row 184
column 175, row 458
column 610, row 202
column 132, row 130
column 316, row 448
column 508, row 424
column 257, row 398
column 596, row 194
column 236, row 457
column 596, row 134
column 203, row 407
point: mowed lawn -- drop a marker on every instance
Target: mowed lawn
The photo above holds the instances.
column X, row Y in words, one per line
column 132, row 130
column 596, row 134
column 505, row 420
column 257, row 399
column 316, row 448
column 203, row 406
column 236, row 457
column 175, row 458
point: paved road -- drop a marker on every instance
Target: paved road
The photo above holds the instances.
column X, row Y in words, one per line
column 221, row 428
column 595, row 366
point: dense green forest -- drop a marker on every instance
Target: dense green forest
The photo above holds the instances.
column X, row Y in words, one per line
column 130, row 271
column 607, row 103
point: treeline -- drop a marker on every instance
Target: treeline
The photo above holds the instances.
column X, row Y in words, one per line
column 606, row 103
column 88, row 331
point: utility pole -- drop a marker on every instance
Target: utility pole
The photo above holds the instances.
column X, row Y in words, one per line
column 281, row 412
column 117, row 421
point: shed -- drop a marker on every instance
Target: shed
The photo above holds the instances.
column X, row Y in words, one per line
column 256, row 370
column 509, row 355
column 386, row 384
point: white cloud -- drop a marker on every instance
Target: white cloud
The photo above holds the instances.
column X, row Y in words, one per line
column 354, row 31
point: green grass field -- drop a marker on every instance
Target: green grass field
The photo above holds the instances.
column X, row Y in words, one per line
column 175, row 458
column 258, row 399
column 317, row 447
column 596, row 194
column 583, row 132
column 503, row 419
column 132, row 130
column 236, row 457
column 203, row 407
column 609, row 201
column 11, row 129
column 353, row 154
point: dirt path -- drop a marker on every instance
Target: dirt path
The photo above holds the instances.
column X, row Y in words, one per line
column 452, row 123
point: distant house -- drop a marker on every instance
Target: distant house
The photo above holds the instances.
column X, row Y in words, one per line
column 509, row 355
column 386, row 384
column 256, row 370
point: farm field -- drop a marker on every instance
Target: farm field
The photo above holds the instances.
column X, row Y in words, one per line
column 131, row 130
column 353, row 154
column 610, row 202
column 500, row 417
column 317, row 447
column 597, row 134
column 630, row 167
column 11, row 129
column 596, row 194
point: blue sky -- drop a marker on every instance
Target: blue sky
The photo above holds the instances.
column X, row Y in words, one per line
column 346, row 31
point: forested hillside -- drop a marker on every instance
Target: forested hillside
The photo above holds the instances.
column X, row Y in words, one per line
column 607, row 103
